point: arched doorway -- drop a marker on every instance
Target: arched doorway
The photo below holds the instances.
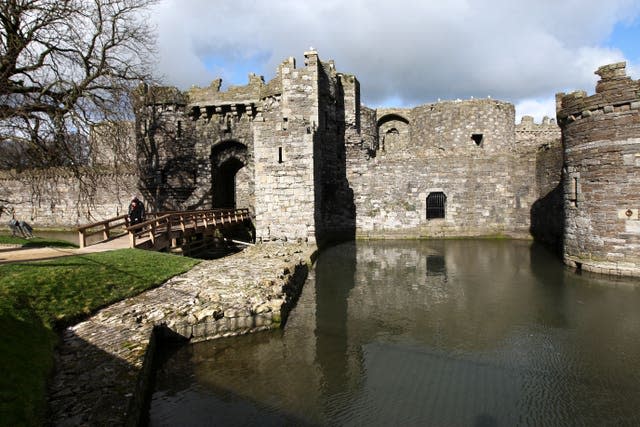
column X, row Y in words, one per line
column 228, row 184
column 224, row 183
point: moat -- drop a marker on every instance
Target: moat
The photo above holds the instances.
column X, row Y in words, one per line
column 451, row 332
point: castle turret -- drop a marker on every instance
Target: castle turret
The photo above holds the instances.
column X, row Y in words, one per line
column 601, row 174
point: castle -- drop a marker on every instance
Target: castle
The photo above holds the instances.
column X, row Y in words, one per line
column 312, row 163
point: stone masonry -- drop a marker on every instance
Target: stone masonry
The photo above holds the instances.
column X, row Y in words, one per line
column 312, row 163
column 601, row 139
column 53, row 198
column 103, row 364
column 470, row 151
column 266, row 146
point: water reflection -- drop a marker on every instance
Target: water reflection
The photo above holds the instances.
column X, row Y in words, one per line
column 424, row 333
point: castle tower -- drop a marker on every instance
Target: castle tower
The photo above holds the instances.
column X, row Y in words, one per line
column 285, row 166
column 601, row 174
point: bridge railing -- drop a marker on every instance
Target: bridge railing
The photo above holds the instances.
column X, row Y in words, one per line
column 106, row 228
column 159, row 223
column 164, row 223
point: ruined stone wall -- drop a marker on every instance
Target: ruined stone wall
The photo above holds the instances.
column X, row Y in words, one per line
column 368, row 137
column 480, row 177
column 352, row 108
column 285, row 143
column 601, row 139
column 223, row 123
column 539, row 151
column 339, row 105
column 53, row 198
column 223, row 131
column 188, row 142
column 165, row 150
column 285, row 139
column 394, row 131
column 113, row 144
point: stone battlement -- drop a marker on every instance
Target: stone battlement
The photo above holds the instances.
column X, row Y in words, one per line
column 527, row 124
column 212, row 95
column 615, row 93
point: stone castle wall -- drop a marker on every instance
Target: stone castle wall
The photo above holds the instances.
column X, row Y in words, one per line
column 539, row 152
column 312, row 163
column 285, row 143
column 319, row 165
column 601, row 138
column 277, row 148
column 53, row 198
column 468, row 150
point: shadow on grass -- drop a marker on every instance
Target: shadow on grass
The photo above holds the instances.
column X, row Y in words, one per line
column 45, row 243
column 38, row 298
column 25, row 361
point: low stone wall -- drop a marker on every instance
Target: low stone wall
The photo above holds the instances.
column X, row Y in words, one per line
column 104, row 363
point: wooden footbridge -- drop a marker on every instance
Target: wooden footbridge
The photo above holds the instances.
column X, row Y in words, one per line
column 170, row 230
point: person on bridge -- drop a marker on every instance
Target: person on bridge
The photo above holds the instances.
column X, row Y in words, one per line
column 136, row 211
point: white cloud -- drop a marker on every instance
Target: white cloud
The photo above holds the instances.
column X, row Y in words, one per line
column 414, row 51
column 537, row 108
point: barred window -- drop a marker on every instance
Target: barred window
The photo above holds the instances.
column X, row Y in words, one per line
column 436, row 203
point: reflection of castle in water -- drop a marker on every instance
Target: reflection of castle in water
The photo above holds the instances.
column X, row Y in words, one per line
column 446, row 317
column 438, row 284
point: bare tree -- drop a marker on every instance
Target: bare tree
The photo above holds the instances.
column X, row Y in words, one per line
column 66, row 65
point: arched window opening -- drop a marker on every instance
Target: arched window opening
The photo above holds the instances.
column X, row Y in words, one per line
column 436, row 204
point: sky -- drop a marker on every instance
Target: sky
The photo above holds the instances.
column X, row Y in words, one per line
column 406, row 52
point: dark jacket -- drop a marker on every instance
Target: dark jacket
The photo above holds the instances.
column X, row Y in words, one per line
column 136, row 211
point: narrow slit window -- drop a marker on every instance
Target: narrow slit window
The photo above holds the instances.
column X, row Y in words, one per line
column 280, row 155
column 574, row 191
column 179, row 131
column 436, row 204
column 477, row 138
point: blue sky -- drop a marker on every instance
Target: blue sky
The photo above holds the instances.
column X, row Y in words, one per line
column 626, row 37
column 407, row 52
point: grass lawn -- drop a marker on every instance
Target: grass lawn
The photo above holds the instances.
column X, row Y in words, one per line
column 38, row 298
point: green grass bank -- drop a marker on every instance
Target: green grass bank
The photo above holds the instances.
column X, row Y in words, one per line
column 37, row 299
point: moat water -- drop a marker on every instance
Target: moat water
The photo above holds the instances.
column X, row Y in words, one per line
column 446, row 333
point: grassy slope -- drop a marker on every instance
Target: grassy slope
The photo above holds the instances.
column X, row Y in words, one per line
column 38, row 297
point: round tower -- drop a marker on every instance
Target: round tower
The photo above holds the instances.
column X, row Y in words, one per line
column 601, row 174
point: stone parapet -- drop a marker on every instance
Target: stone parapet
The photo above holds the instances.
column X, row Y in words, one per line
column 613, row 112
column 253, row 91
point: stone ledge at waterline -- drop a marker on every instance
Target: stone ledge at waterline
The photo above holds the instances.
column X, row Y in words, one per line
column 103, row 364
